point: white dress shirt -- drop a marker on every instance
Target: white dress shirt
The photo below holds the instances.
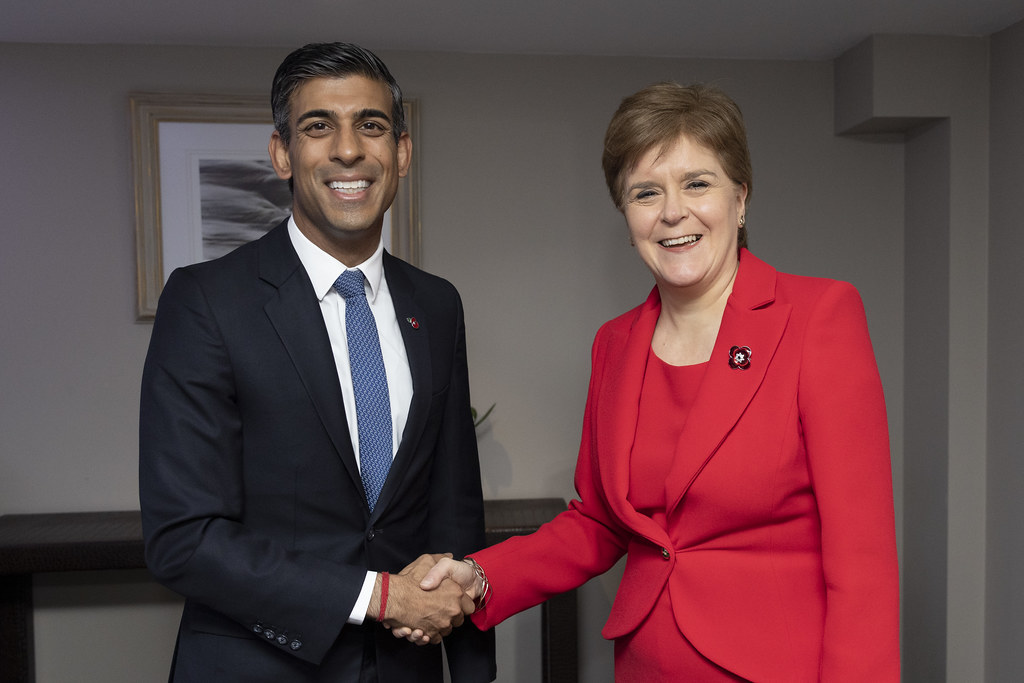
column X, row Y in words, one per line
column 323, row 269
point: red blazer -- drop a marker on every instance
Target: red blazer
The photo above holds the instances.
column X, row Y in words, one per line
column 779, row 556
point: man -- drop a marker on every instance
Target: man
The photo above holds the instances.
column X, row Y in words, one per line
column 280, row 477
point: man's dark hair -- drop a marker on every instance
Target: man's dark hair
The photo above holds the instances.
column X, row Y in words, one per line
column 331, row 60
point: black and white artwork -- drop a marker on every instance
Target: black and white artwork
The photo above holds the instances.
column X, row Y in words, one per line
column 240, row 200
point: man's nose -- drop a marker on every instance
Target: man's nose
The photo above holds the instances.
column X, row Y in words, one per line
column 348, row 147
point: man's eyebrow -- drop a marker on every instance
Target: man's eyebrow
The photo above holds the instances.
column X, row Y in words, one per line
column 368, row 113
column 316, row 114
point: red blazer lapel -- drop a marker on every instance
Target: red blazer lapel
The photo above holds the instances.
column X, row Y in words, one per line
column 625, row 362
column 752, row 319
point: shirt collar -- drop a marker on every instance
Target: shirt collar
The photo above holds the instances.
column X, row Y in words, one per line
column 323, row 269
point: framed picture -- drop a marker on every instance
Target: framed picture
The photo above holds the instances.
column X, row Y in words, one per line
column 204, row 184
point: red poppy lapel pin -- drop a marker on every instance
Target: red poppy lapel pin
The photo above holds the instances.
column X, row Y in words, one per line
column 739, row 358
column 415, row 324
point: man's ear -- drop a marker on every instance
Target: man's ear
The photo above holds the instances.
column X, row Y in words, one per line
column 404, row 154
column 279, row 156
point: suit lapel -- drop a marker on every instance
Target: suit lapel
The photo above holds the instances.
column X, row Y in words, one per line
column 295, row 314
column 417, row 349
column 751, row 319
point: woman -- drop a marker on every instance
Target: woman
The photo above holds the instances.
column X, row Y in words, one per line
column 734, row 446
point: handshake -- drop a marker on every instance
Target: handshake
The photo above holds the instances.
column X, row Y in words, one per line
column 428, row 599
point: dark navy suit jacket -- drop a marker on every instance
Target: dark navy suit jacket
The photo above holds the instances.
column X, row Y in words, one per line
column 252, row 504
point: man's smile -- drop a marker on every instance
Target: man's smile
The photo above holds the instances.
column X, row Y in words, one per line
column 349, row 186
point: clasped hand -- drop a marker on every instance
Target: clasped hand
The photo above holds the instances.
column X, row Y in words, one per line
column 429, row 598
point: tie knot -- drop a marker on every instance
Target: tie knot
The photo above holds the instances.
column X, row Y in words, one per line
column 350, row 284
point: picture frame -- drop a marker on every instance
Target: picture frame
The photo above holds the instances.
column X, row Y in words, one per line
column 203, row 184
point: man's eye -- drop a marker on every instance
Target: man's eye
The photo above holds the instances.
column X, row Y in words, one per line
column 372, row 128
column 316, row 129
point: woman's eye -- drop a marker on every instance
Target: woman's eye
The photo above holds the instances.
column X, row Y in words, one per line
column 643, row 195
column 697, row 185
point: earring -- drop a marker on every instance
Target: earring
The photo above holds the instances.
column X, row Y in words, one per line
column 743, row 221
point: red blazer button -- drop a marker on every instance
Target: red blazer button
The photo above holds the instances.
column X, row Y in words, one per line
column 665, row 554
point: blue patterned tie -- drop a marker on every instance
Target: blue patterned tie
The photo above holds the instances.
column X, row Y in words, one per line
column 370, row 383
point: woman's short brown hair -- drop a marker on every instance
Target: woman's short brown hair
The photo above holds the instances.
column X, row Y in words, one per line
column 658, row 115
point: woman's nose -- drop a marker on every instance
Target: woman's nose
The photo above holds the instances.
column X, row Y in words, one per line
column 674, row 208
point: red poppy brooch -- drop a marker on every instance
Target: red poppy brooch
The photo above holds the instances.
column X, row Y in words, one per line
column 739, row 357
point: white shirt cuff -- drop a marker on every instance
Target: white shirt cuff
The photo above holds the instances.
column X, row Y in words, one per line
column 363, row 601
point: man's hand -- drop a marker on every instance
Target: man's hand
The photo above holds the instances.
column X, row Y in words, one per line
column 443, row 572
column 411, row 610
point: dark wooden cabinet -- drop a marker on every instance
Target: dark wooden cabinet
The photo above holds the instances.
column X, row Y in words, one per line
column 80, row 541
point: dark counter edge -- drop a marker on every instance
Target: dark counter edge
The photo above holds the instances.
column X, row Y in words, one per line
column 85, row 541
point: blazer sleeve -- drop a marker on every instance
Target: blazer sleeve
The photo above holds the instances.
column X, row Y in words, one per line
column 577, row 545
column 192, row 496
column 842, row 413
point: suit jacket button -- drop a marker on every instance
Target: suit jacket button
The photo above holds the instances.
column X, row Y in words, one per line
column 295, row 644
column 665, row 554
column 257, row 627
column 371, row 534
column 282, row 639
column 269, row 634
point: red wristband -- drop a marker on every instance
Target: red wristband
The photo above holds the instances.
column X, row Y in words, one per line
column 383, row 595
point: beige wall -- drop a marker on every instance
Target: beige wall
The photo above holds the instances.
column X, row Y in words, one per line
column 1004, row 624
column 513, row 211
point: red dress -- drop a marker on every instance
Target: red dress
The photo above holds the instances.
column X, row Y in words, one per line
column 668, row 394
